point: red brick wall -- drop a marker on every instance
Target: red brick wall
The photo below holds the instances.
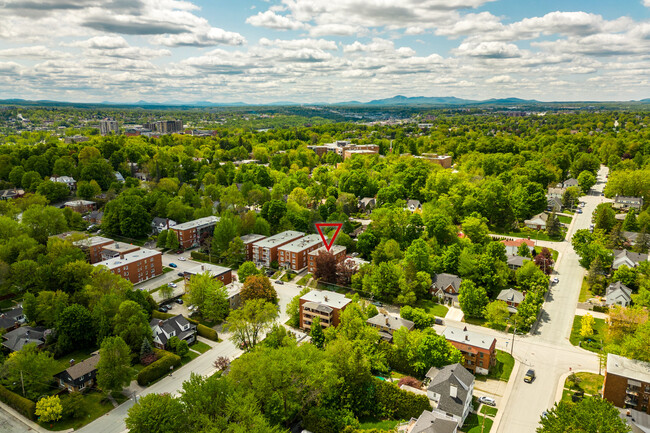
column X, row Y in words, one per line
column 614, row 389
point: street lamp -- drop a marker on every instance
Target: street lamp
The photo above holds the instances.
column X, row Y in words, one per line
column 512, row 346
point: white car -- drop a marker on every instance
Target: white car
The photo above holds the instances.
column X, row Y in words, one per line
column 182, row 259
column 487, row 400
column 555, row 280
column 172, row 285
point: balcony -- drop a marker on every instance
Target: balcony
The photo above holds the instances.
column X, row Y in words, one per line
column 632, row 391
column 631, row 401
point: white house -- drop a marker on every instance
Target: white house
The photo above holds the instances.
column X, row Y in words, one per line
column 618, row 294
column 450, row 389
column 628, row 258
column 512, row 246
column 537, row 222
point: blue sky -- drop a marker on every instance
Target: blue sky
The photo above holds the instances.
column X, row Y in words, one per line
column 323, row 50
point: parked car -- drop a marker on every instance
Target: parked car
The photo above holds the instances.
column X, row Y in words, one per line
column 162, row 309
column 182, row 259
column 439, row 321
column 172, row 285
column 579, row 210
column 555, row 280
column 530, row 376
column 181, row 274
column 279, row 282
column 487, row 400
column 173, row 265
column 179, row 301
column 377, row 304
column 179, row 252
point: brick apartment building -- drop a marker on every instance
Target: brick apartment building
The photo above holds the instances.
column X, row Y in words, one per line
column 81, row 206
column 191, row 233
column 248, row 241
column 338, row 251
column 117, row 249
column 479, row 350
column 265, row 251
column 360, row 149
column 294, row 254
column 627, row 383
column 93, row 247
column 442, row 160
column 323, row 304
column 217, row 272
column 137, row 266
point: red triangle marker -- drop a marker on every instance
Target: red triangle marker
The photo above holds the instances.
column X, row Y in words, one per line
column 319, row 227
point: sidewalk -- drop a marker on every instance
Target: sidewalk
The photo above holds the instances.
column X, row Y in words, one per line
column 595, row 314
column 506, row 396
column 16, row 423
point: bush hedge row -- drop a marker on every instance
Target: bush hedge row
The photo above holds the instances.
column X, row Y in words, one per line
column 202, row 330
column 395, row 403
column 158, row 368
column 21, row 404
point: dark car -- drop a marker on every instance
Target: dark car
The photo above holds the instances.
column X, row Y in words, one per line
column 163, row 309
column 530, row 376
column 179, row 301
column 279, row 282
column 181, row 274
column 179, row 252
column 173, row 265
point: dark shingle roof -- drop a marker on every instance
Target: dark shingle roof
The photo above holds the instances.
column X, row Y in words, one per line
column 18, row 338
column 429, row 422
column 84, row 367
column 441, row 381
column 443, row 280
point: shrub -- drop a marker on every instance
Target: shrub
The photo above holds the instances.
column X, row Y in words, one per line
column 328, row 420
column 601, row 309
column 394, row 403
column 206, row 332
column 418, row 316
column 409, row 381
column 155, row 314
column 21, row 404
column 159, row 368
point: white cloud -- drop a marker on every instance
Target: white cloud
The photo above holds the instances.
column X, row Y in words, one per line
column 320, row 44
column 36, row 51
column 500, row 79
column 271, row 20
column 201, row 38
column 488, row 50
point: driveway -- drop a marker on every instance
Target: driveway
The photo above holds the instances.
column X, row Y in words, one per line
column 455, row 314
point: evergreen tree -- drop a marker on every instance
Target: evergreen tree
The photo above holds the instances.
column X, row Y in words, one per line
column 316, row 334
column 630, row 224
column 553, row 226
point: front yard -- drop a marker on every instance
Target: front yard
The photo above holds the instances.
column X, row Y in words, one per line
column 588, row 383
column 503, row 368
column 432, row 308
column 477, row 424
column 94, row 404
column 592, row 343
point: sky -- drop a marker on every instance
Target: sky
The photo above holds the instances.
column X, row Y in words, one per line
column 312, row 51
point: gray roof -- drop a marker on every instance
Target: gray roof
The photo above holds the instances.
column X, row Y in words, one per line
column 302, row 244
column 570, row 182
column 629, row 368
column 441, row 381
column 201, row 222
column 441, row 281
column 391, row 322
column 318, row 307
column 430, row 422
column 628, row 199
column 9, row 318
column 517, row 261
column 511, row 295
column 635, row 257
column 135, row 256
column 210, row 269
column 173, row 324
column 279, row 239
column 413, row 204
column 246, row 239
column 324, row 297
column 554, row 201
column 367, row 200
column 18, row 338
column 468, row 337
column 84, row 367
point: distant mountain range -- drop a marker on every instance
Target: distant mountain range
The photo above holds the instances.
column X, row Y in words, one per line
column 395, row 101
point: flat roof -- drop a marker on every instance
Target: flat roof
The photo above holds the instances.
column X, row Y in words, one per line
column 629, row 368
column 470, row 338
column 133, row 257
column 213, row 270
column 197, row 223
column 302, row 244
column 278, row 239
column 336, row 249
column 325, row 297
column 92, row 241
column 78, row 203
column 121, row 247
column 247, row 239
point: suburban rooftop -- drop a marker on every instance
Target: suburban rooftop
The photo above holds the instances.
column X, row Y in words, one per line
column 278, row 239
column 336, row 249
column 468, row 337
column 324, row 297
column 197, row 223
column 135, row 256
column 630, row 368
column 213, row 270
column 302, row 243
column 247, row 239
column 92, row 241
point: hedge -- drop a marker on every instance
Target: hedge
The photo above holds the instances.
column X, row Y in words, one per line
column 394, row 403
column 159, row 368
column 21, row 404
column 206, row 332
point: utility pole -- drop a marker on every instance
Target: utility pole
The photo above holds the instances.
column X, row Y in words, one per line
column 512, row 346
column 22, row 382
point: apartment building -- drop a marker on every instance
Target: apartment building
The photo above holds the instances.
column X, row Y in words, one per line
column 627, row 383
column 265, row 251
column 217, row 272
column 360, row 149
column 294, row 254
column 322, row 304
column 81, row 206
column 117, row 249
column 93, row 247
column 137, row 266
column 338, row 251
column 442, row 160
column 108, row 126
column 191, row 233
column 479, row 350
column 248, row 241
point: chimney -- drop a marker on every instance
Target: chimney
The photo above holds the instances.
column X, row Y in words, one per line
column 453, row 391
column 167, row 221
column 466, row 337
column 72, row 362
column 325, row 298
column 117, row 245
column 203, row 267
column 160, row 323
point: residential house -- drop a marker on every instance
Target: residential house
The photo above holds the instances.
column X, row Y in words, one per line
column 248, row 241
column 512, row 246
column 12, row 319
column 628, row 258
column 446, row 287
column 192, row 233
column 537, row 222
column 338, row 251
column 81, row 206
column 570, row 182
column 69, row 182
column 628, row 202
column 366, row 204
column 8, row 194
column 511, row 297
column 479, row 350
column 79, row 375
column 450, row 389
column 265, row 251
column 159, row 224
column 618, row 294
column 388, row 324
column 413, row 205
column 94, row 217
column 294, row 254
column 216, row 272
column 554, row 204
column 627, row 383
column 516, row 262
column 323, row 304
column 177, row 326
column 429, row 422
column 555, row 193
column 118, row 177
column 19, row 337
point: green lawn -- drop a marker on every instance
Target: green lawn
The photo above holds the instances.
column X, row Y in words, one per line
column 77, row 355
column 189, row 357
column 371, row 423
column 475, row 321
column 276, row 275
column 288, row 276
column 200, row 347
column 95, row 404
column 476, row 424
column 527, row 233
column 590, row 383
column 166, row 269
column 600, row 329
column 7, row 304
column 432, row 307
column 503, row 368
column 489, row 410
column 585, row 293
column 304, row 280
column 566, row 395
column 564, row 219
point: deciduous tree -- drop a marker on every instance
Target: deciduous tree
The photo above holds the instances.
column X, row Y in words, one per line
column 259, row 287
column 114, row 366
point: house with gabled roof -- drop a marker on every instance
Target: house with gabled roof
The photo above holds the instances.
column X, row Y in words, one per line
column 413, row 205
column 446, row 287
column 570, row 182
column 450, row 389
column 79, row 375
column 618, row 294
column 512, row 246
column 516, row 262
column 628, row 202
column 512, row 298
column 537, row 222
column 555, row 192
column 554, row 204
column 20, row 337
column 429, row 422
column 366, row 204
column 387, row 325
column 12, row 319
column 628, row 258
column 177, row 326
